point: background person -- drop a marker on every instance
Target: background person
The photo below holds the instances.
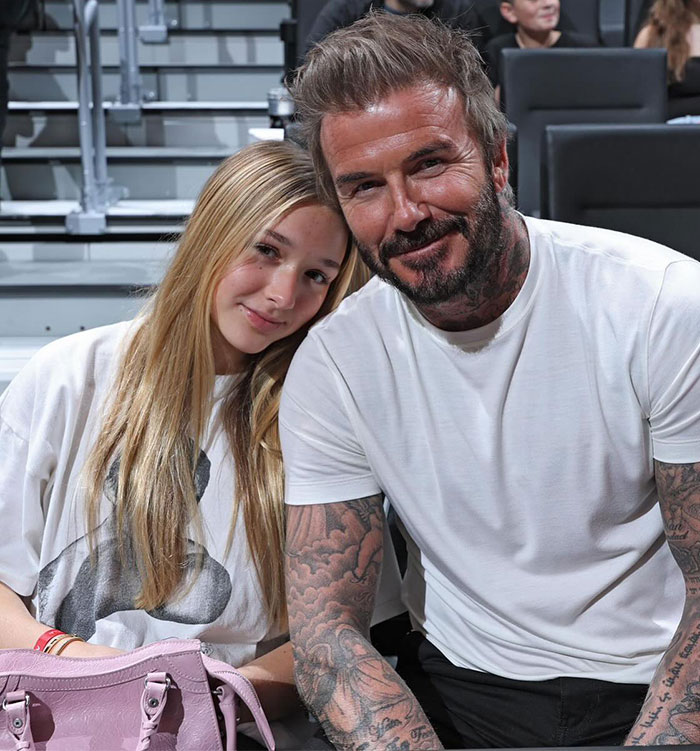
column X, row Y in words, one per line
column 535, row 24
column 154, row 443
column 524, row 393
column 675, row 26
column 461, row 14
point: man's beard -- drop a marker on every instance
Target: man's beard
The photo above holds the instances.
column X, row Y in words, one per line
column 483, row 233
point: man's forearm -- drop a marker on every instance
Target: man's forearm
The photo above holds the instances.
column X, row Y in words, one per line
column 358, row 698
column 334, row 557
column 671, row 712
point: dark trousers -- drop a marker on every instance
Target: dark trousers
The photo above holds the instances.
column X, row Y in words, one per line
column 469, row 709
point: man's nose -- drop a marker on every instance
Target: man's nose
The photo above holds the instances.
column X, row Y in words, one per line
column 282, row 289
column 408, row 209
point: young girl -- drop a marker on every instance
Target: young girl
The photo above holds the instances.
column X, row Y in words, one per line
column 675, row 25
column 140, row 472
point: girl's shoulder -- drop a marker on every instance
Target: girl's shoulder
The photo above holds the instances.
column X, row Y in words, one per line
column 84, row 351
column 68, row 367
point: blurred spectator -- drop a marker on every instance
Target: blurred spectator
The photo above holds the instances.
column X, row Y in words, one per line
column 456, row 13
column 535, row 23
column 675, row 25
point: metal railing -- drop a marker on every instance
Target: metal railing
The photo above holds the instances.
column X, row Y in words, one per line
column 98, row 192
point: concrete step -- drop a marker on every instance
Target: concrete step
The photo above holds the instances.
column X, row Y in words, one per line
column 173, row 83
column 45, row 173
column 206, row 48
column 42, row 275
column 175, row 124
column 189, row 14
column 36, row 311
column 41, row 224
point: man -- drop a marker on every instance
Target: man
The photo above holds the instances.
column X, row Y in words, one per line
column 461, row 14
column 535, row 25
column 525, row 394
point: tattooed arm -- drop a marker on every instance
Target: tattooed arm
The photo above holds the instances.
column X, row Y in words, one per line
column 334, row 556
column 671, row 713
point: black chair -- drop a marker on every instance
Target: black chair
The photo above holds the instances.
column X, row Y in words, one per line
column 581, row 16
column 636, row 14
column 613, row 23
column 640, row 179
column 295, row 30
column 550, row 87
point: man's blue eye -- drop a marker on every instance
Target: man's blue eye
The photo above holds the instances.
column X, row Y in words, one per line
column 364, row 186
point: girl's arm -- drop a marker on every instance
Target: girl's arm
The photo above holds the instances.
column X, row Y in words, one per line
column 19, row 630
column 272, row 676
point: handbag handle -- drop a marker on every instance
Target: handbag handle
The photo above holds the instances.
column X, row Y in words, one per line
column 236, row 684
column 153, row 700
column 16, row 705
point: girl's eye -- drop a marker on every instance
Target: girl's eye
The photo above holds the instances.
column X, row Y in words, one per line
column 317, row 276
column 266, row 250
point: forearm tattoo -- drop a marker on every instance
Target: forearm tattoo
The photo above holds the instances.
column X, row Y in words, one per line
column 671, row 712
column 334, row 557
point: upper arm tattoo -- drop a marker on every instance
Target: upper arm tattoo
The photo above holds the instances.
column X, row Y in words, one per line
column 679, row 497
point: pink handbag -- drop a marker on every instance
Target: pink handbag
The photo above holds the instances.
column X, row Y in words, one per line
column 163, row 696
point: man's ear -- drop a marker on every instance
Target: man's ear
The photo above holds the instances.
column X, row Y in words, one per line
column 499, row 168
column 508, row 12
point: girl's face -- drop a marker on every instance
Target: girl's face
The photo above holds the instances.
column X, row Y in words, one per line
column 278, row 285
column 532, row 15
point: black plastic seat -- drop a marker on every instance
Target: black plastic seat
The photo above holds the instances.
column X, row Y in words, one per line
column 640, row 179
column 559, row 86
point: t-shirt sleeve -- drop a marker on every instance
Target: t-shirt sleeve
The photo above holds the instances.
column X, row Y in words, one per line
column 323, row 460
column 673, row 358
column 26, row 465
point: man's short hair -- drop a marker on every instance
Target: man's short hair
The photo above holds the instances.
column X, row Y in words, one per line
column 361, row 64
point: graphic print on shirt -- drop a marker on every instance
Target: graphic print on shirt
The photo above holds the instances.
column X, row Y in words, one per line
column 109, row 587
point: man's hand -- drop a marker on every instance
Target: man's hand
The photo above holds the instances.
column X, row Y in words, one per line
column 334, row 556
column 671, row 713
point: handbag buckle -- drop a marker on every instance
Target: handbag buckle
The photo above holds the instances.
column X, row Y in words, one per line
column 168, row 682
column 4, row 702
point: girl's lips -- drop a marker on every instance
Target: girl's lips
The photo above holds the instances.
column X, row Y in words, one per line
column 260, row 322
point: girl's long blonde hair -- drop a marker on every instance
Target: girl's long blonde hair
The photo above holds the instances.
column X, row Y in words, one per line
column 158, row 414
column 669, row 23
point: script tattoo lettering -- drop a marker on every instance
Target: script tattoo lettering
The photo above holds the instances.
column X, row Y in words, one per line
column 334, row 557
column 671, row 712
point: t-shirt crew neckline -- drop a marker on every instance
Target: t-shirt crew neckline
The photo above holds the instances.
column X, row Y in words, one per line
column 504, row 323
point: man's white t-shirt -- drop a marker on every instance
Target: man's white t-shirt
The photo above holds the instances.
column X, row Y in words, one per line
column 518, row 456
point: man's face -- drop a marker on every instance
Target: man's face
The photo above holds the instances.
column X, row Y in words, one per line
column 534, row 16
column 415, row 191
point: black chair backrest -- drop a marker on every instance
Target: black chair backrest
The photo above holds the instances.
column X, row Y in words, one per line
column 641, row 179
column 613, row 23
column 558, row 86
column 636, row 15
column 304, row 14
column 581, row 16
